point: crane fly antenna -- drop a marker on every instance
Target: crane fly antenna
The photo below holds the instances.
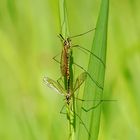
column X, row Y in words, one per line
column 61, row 37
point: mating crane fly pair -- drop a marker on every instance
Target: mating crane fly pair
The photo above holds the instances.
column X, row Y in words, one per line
column 69, row 88
column 66, row 63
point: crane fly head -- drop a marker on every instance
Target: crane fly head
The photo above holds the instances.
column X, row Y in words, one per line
column 66, row 42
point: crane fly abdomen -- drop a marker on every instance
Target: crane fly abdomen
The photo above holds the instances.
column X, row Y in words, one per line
column 65, row 59
column 64, row 62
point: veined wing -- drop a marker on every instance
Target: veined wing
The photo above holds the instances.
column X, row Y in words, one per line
column 79, row 81
column 54, row 85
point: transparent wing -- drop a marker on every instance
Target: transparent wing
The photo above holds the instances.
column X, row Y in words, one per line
column 79, row 81
column 54, row 85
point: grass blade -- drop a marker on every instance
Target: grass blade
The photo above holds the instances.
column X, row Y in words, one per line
column 64, row 30
column 69, row 109
column 97, row 72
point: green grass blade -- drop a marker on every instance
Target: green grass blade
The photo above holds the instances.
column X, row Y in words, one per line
column 64, row 30
column 65, row 33
column 97, row 72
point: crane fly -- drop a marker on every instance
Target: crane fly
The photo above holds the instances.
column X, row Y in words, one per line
column 67, row 59
column 69, row 88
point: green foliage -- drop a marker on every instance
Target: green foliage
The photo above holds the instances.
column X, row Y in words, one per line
column 97, row 71
column 28, row 41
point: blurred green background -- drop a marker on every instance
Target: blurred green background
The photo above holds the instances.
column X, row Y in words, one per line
column 28, row 41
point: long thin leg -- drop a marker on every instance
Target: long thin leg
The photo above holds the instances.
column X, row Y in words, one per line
column 61, row 111
column 59, row 82
column 64, row 113
column 81, row 50
column 54, row 58
column 82, row 122
column 83, row 33
column 104, row 100
column 78, row 46
column 87, row 100
column 89, row 76
column 100, row 101
column 86, row 110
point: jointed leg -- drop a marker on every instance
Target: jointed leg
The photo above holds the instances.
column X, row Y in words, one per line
column 100, row 101
column 89, row 76
column 54, row 58
column 61, row 111
column 81, row 121
column 78, row 46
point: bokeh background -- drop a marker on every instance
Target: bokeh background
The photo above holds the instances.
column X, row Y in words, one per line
column 28, row 41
